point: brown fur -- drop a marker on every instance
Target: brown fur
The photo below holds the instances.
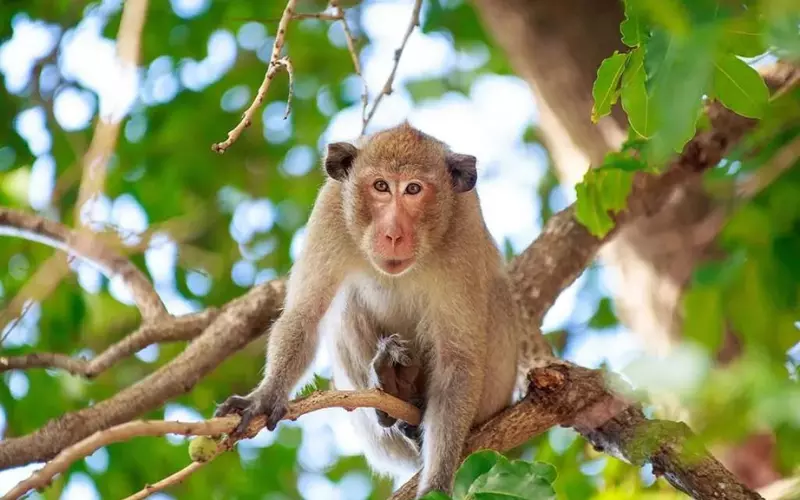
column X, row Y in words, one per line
column 453, row 309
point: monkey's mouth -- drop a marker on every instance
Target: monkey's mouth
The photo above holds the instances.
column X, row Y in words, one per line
column 395, row 266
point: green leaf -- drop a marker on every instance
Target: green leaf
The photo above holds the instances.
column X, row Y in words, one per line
column 604, row 316
column 589, row 211
column 605, row 90
column 782, row 18
column 474, row 466
column 704, row 321
column 435, row 495
column 633, row 28
column 635, row 101
column 680, row 69
column 739, row 87
column 517, row 479
column 614, row 186
column 742, row 36
column 603, row 189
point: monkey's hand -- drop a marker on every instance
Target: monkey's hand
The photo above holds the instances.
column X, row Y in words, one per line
column 262, row 401
column 393, row 371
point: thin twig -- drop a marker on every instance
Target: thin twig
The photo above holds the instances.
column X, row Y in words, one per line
column 167, row 330
column 37, row 228
column 212, row 427
column 351, row 47
column 387, row 87
column 275, row 64
column 287, row 63
column 173, row 479
column 320, row 15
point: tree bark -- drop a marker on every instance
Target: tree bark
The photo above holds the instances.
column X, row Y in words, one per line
column 557, row 46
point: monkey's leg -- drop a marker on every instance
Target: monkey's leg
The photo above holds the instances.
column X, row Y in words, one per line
column 394, row 371
column 454, row 390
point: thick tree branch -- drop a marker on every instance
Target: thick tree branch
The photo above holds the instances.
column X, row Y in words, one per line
column 36, row 228
column 565, row 394
column 168, row 330
column 240, row 321
column 213, row 427
column 565, row 247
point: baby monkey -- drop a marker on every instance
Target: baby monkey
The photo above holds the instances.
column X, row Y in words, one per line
column 400, row 274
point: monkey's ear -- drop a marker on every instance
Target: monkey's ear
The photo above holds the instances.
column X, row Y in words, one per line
column 339, row 159
column 463, row 172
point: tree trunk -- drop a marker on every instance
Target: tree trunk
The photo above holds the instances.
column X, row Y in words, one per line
column 557, row 46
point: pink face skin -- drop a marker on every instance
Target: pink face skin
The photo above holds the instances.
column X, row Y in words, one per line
column 397, row 203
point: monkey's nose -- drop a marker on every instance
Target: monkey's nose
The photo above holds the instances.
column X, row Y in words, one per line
column 394, row 238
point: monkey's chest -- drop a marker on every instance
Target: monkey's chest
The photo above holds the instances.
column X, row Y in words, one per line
column 392, row 309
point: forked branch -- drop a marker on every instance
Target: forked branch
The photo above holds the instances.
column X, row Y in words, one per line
column 85, row 245
column 276, row 63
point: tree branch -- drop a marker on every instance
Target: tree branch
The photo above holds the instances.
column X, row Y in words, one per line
column 36, row 228
column 565, row 247
column 212, row 427
column 169, row 330
column 240, row 321
column 275, row 64
column 351, row 47
column 565, row 394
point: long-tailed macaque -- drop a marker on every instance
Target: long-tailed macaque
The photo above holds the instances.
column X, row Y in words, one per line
column 401, row 274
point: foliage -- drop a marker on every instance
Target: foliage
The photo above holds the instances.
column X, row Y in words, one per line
column 682, row 54
column 488, row 475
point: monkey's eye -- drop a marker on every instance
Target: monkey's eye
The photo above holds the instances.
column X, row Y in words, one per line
column 381, row 186
column 413, row 188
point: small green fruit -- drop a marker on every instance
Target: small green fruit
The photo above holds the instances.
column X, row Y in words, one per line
column 202, row 448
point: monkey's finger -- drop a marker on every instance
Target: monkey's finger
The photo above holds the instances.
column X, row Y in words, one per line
column 232, row 404
column 244, row 423
column 275, row 416
column 384, row 419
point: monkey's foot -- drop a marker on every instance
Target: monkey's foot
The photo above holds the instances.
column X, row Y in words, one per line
column 393, row 349
column 259, row 402
column 393, row 371
column 412, row 432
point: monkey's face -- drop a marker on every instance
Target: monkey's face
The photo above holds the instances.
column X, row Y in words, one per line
column 394, row 229
column 399, row 192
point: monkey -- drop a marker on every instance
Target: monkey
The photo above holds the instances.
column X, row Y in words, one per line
column 402, row 278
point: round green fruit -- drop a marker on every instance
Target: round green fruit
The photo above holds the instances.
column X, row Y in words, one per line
column 202, row 448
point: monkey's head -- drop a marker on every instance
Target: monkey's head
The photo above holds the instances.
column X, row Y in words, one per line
column 399, row 191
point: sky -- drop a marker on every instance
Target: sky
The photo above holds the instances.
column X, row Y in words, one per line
column 488, row 123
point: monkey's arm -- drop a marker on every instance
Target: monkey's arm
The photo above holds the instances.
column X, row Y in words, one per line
column 290, row 350
column 312, row 284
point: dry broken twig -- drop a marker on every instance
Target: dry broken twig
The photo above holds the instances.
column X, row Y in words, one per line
column 214, row 427
column 37, row 228
column 275, row 64
column 387, row 87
